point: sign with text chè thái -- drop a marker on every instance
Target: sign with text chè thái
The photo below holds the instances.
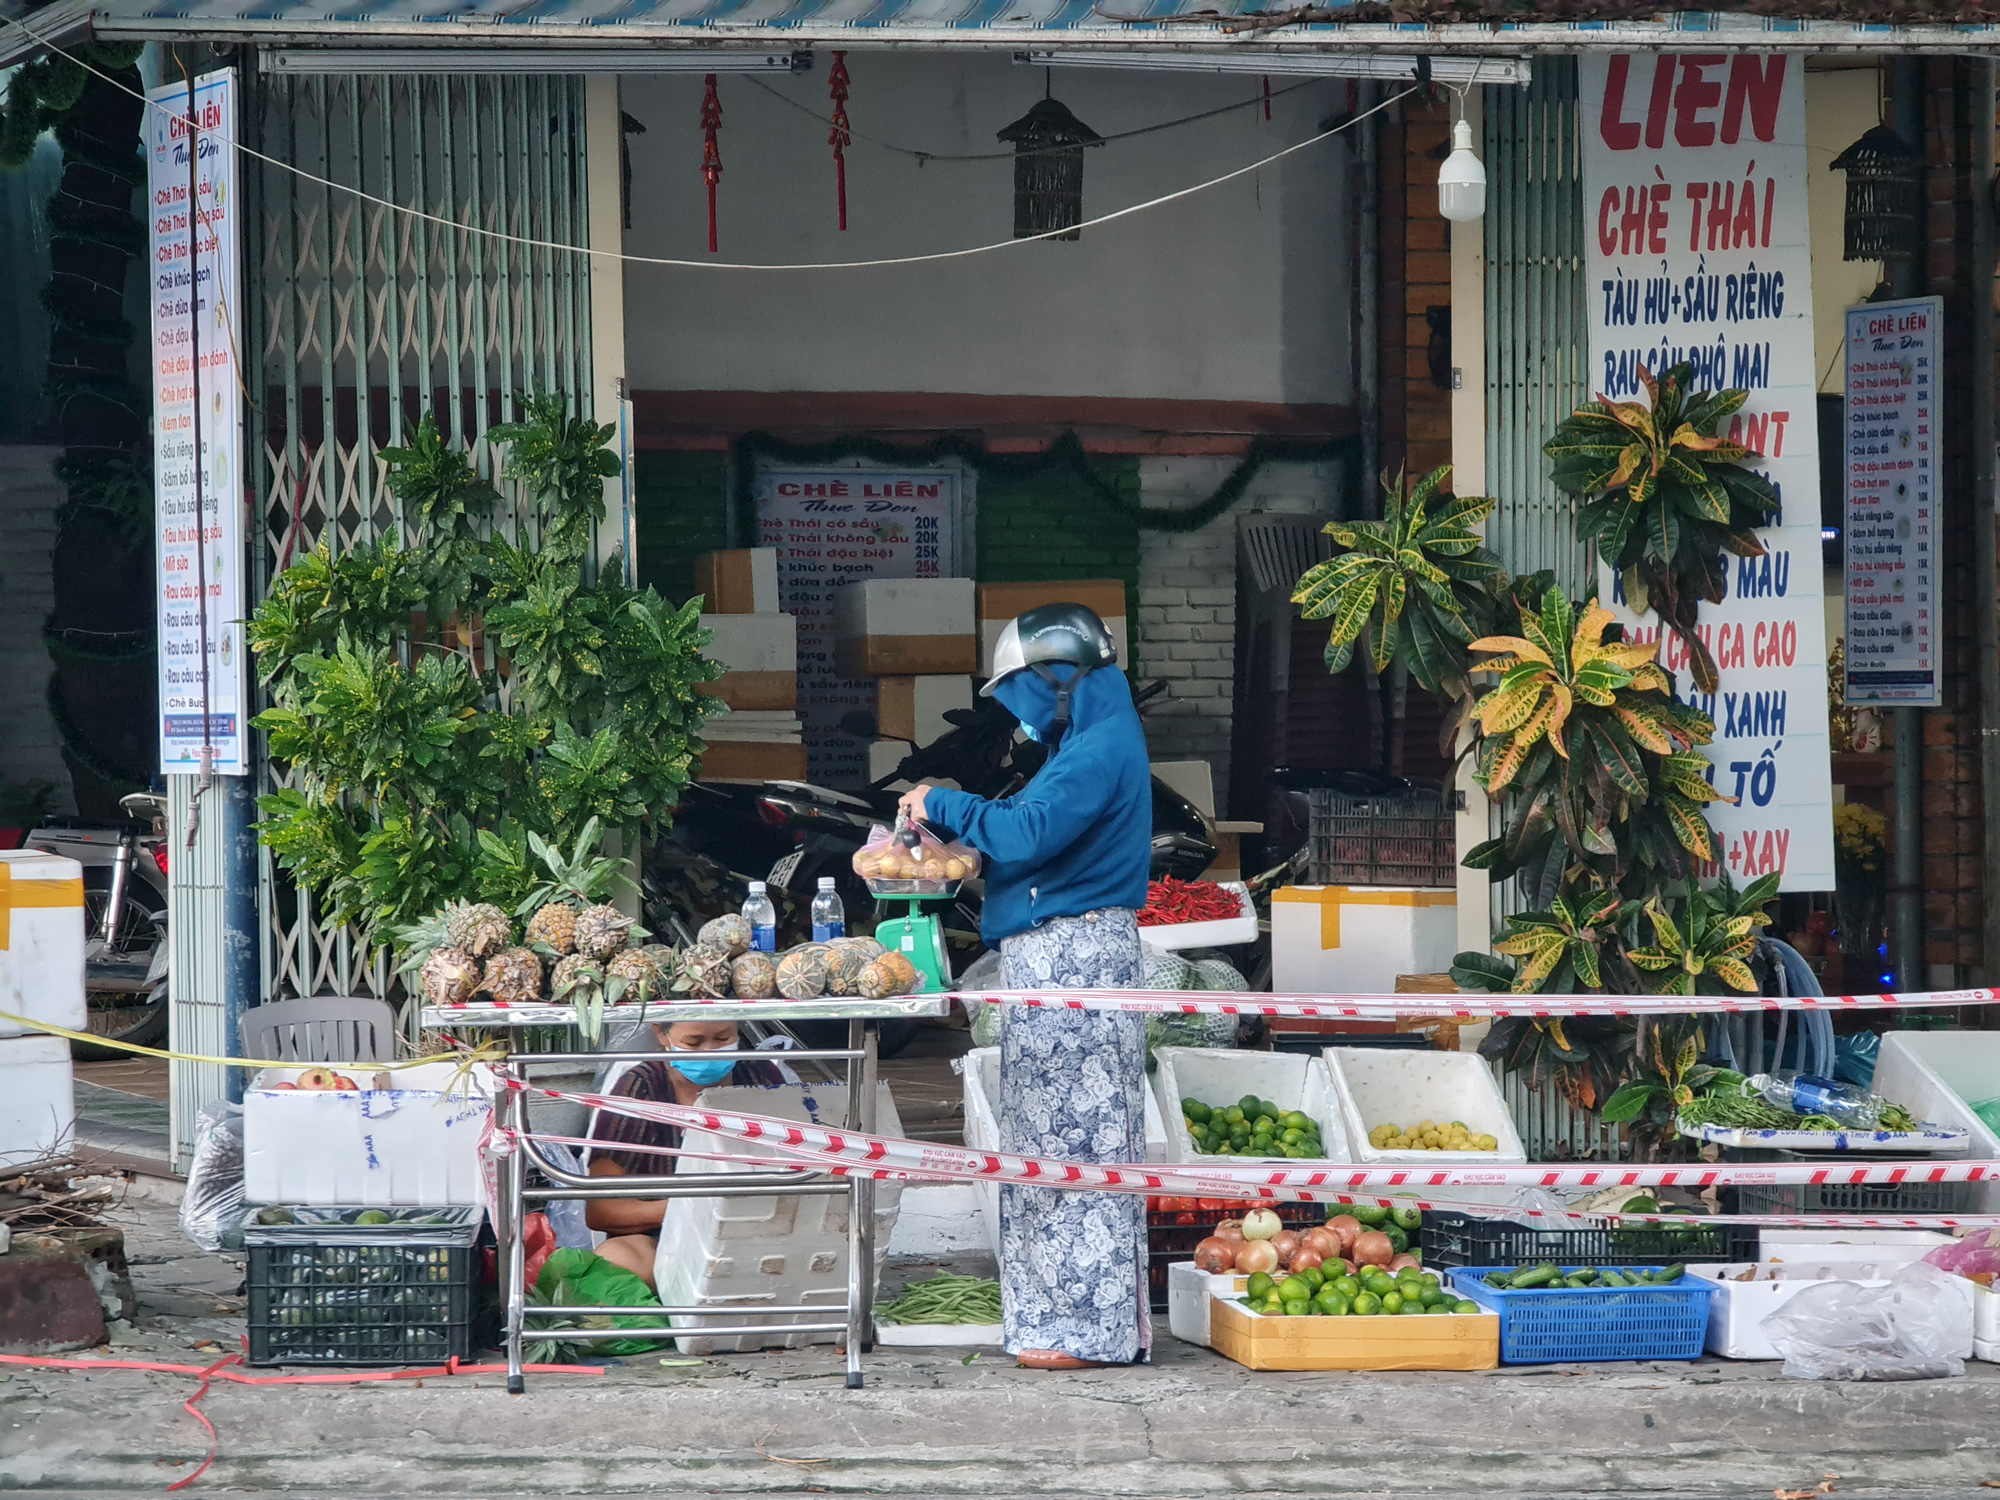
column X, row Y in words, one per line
column 1696, row 236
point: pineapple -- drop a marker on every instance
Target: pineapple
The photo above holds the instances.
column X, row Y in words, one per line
column 514, row 976
column 573, row 972
column 554, row 927
column 450, row 976
column 704, row 972
column 579, row 982
column 481, row 930
column 602, row 930
column 640, row 972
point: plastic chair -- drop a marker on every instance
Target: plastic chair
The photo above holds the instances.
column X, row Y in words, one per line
column 321, row 1029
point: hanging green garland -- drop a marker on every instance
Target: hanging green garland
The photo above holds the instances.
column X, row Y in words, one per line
column 79, row 752
column 1066, row 452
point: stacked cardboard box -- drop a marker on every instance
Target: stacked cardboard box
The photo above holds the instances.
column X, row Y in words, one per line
column 760, row 739
column 905, row 627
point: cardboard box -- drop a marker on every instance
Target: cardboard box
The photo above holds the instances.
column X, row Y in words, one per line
column 1458, row 1342
column 890, row 627
column 741, row 582
column 1355, row 940
column 762, row 655
column 1000, row 602
column 753, row 760
column 913, row 708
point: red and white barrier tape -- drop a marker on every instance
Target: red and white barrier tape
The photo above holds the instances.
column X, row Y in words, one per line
column 853, row 1153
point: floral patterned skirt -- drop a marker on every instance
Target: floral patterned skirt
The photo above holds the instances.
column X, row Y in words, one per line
column 1072, row 1085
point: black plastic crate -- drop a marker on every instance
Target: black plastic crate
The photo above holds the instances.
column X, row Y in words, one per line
column 325, row 1294
column 1391, row 838
column 1456, row 1239
column 1893, row 1198
column 1168, row 1242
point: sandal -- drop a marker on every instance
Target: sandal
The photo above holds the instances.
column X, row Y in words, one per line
column 1050, row 1359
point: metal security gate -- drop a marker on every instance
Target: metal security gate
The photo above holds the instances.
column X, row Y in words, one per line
column 362, row 317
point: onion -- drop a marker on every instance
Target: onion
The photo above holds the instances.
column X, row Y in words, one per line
column 1321, row 1241
column 1373, row 1248
column 1305, row 1260
column 1260, row 1255
column 1348, row 1228
column 1286, row 1243
column 1403, row 1260
column 1231, row 1230
column 1214, row 1254
column 1261, row 1224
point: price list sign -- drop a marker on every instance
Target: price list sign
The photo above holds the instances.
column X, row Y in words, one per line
column 832, row 527
column 1891, row 540
column 193, row 274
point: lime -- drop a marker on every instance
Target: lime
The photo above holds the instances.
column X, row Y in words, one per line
column 1273, row 1306
column 371, row 1216
column 1366, row 1305
column 1348, row 1286
column 1295, row 1289
column 1296, row 1120
column 1315, row 1275
column 1412, row 1307
column 1333, row 1304
column 1290, row 1136
column 1392, row 1302
column 1466, row 1305
column 1431, row 1296
column 1264, row 1122
column 1260, row 1286
column 1442, row 1305
column 1296, row 1309
column 1195, row 1110
column 1429, row 1279
column 1247, row 1105
column 1233, row 1115
column 1379, row 1282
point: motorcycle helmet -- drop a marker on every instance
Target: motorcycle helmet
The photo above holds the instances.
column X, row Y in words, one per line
column 1049, row 635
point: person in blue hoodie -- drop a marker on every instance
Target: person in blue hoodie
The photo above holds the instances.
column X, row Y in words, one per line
column 1066, row 869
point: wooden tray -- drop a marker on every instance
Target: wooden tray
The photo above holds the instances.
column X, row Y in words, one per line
column 1458, row 1342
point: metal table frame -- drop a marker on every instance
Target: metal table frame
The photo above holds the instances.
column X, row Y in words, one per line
column 515, row 1195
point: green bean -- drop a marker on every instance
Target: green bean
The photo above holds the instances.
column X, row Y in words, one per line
column 945, row 1299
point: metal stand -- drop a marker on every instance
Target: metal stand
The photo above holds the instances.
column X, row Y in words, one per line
column 515, row 1195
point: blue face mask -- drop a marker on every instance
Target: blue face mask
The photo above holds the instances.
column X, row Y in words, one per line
column 699, row 1070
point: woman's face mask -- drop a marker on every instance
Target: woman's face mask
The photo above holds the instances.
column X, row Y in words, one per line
column 699, row 1069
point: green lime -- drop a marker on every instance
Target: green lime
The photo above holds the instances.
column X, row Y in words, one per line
column 1291, row 1137
column 1392, row 1302
column 1296, row 1120
column 1441, row 1306
column 1366, row 1305
column 1431, row 1296
column 1430, row 1279
column 1413, row 1307
column 1231, row 1116
column 1295, row 1289
column 1348, row 1286
column 1333, row 1305
column 1379, row 1282
column 1466, row 1305
column 1260, row 1286
column 1264, row 1122
column 1248, row 1104
column 1195, row 1110
column 1273, row 1306
column 1297, row 1309
column 371, row 1216
column 1315, row 1275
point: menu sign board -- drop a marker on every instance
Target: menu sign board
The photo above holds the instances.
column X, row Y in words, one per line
column 1696, row 246
column 832, row 526
column 193, row 276
column 1891, row 539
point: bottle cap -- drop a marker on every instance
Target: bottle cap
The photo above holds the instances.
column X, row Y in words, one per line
column 756, row 887
column 826, row 882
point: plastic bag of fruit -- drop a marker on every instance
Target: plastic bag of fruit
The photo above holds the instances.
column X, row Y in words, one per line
column 910, row 860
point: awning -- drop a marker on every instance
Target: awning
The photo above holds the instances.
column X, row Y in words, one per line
column 1018, row 24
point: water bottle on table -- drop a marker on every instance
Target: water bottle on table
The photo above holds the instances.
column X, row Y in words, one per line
column 829, row 917
column 763, row 919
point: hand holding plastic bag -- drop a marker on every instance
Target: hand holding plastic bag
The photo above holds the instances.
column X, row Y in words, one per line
column 1918, row 1327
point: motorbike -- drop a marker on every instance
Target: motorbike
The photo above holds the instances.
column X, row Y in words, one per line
column 125, row 920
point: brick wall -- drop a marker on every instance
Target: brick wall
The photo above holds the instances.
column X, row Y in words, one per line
column 680, row 506
column 1416, row 277
column 1186, row 625
column 1047, row 525
column 29, row 494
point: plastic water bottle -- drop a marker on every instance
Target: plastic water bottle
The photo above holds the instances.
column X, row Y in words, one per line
column 1803, row 1094
column 829, row 916
column 763, row 919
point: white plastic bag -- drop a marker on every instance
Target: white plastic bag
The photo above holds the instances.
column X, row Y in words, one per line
column 985, row 973
column 1911, row 1329
column 212, row 1205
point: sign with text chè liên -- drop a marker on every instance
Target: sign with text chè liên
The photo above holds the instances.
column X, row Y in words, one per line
column 1890, row 469
column 1696, row 235
column 192, row 278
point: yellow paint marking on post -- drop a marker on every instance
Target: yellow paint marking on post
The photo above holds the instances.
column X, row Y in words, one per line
column 32, row 895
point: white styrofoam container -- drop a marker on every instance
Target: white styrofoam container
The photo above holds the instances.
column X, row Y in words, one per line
column 1939, row 1076
column 1190, row 1291
column 735, row 1254
column 1811, row 1246
column 914, row 707
column 414, row 1144
column 1222, row 933
column 904, row 606
column 41, row 940
column 980, row 1071
column 1985, row 1315
column 754, row 643
column 1355, row 940
column 37, row 1098
column 1215, row 1076
column 940, row 1335
column 1380, row 1086
column 1737, row 1311
column 1987, row 1350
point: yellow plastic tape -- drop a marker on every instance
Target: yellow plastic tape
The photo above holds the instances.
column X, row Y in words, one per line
column 1330, row 898
column 485, row 1052
column 32, row 895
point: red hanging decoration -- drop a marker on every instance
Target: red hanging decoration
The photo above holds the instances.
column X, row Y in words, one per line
column 840, row 137
column 711, row 154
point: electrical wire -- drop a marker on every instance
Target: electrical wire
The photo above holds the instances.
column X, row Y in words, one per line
column 671, row 262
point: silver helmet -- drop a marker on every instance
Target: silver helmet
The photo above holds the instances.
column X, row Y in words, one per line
column 1050, row 635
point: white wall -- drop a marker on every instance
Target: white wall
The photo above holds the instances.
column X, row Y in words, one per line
column 1238, row 293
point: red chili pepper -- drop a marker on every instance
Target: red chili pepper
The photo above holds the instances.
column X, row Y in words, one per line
column 1170, row 902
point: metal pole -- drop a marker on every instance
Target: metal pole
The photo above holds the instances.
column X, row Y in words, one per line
column 1907, row 889
column 858, row 1240
column 242, row 952
column 1985, row 76
column 1367, row 332
column 510, row 1231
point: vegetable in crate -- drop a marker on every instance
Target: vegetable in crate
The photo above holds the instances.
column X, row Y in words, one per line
column 1252, row 1127
column 1548, row 1276
column 1170, row 902
column 944, row 1300
column 1428, row 1135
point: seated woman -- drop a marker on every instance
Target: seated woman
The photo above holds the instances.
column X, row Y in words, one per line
column 631, row 1226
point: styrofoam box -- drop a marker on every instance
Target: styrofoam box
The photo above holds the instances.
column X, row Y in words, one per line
column 903, row 606
column 913, row 708
column 37, row 1098
column 980, row 1072
column 1985, row 1315
column 1377, row 1086
column 415, row 1144
column 1939, row 1075
column 940, row 1335
column 1189, row 1293
column 1221, row 1077
column 754, row 643
column 41, row 945
column 736, row 1254
column 1737, row 1311
column 1355, row 940
column 1223, row 932
column 1812, row 1246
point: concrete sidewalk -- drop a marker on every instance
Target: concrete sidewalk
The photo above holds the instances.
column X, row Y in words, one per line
column 931, row 1424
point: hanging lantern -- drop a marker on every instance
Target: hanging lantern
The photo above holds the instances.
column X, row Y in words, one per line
column 840, row 137
column 711, row 153
column 1048, row 170
column 1884, row 190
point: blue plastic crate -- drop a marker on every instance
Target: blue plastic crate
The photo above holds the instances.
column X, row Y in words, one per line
column 1568, row 1325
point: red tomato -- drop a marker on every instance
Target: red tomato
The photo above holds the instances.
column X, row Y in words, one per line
column 1186, row 1218
column 1214, row 1205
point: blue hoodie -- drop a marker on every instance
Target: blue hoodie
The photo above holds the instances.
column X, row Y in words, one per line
column 1079, row 836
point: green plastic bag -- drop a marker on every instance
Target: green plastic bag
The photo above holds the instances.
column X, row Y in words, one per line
column 1988, row 1111
column 581, row 1278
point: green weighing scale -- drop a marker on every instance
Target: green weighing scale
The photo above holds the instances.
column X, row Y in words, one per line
column 919, row 936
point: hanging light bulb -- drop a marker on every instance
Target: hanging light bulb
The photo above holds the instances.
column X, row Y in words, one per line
column 1462, row 179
